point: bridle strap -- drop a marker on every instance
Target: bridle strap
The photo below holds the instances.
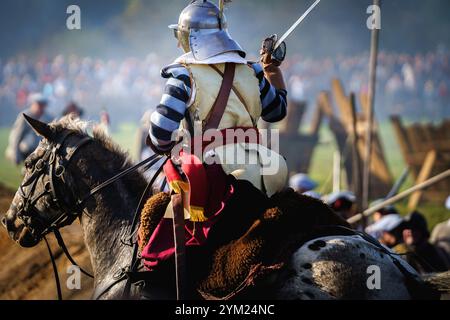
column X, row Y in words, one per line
column 132, row 231
column 125, row 274
column 151, row 160
column 57, row 164
column 55, row 270
column 117, row 177
column 65, row 163
column 62, row 245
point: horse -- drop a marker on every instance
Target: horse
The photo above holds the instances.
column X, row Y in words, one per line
column 70, row 162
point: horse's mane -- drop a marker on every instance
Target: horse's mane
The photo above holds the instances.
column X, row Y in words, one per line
column 87, row 128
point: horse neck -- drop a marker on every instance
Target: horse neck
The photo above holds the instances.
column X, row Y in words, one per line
column 108, row 215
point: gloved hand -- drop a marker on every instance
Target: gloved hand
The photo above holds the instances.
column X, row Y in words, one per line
column 271, row 61
column 268, row 55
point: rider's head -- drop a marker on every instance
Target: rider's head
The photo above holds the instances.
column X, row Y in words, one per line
column 202, row 30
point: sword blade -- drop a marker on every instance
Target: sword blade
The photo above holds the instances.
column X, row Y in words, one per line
column 295, row 25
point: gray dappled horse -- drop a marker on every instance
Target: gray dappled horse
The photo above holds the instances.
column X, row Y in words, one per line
column 69, row 163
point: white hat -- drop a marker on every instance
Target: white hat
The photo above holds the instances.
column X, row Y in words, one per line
column 385, row 224
column 302, row 181
column 312, row 194
column 333, row 197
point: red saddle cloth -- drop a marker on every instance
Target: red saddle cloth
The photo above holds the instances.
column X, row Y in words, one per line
column 210, row 189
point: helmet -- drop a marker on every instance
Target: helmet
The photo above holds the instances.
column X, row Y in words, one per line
column 202, row 29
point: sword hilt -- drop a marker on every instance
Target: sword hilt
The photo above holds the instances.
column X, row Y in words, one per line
column 277, row 53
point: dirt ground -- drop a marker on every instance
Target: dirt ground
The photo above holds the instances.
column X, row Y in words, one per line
column 27, row 274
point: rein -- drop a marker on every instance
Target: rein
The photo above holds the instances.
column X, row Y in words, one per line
column 57, row 164
column 127, row 273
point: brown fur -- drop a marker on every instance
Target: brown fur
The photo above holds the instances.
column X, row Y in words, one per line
column 233, row 262
column 439, row 282
column 151, row 215
column 269, row 241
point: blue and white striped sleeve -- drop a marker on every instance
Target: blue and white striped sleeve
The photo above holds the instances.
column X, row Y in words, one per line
column 273, row 101
column 171, row 110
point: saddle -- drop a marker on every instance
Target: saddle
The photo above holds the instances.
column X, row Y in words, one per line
column 248, row 246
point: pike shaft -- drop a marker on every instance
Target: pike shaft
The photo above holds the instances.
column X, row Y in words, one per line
column 400, row 196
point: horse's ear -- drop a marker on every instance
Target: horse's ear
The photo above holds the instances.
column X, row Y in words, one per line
column 40, row 128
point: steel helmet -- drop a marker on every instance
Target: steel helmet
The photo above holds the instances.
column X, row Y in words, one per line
column 202, row 29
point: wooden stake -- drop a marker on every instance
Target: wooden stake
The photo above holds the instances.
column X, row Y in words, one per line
column 424, row 174
column 372, row 85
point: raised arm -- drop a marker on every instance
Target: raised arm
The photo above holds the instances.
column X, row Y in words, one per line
column 273, row 95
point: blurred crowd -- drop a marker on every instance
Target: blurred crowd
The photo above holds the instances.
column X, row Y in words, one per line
column 415, row 85
column 407, row 235
column 129, row 84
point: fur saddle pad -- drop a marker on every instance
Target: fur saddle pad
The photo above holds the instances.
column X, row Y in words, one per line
column 251, row 241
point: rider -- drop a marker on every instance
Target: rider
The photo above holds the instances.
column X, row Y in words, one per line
column 192, row 98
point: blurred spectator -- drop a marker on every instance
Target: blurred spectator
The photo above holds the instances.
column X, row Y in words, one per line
column 296, row 88
column 342, row 202
column 74, row 109
column 420, row 253
column 389, row 230
column 301, row 183
column 104, row 122
column 22, row 139
column 440, row 236
column 388, row 209
column 374, row 229
column 409, row 78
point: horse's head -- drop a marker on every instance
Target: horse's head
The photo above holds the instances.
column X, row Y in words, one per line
column 44, row 202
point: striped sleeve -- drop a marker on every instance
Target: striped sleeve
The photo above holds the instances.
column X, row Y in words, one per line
column 273, row 101
column 172, row 107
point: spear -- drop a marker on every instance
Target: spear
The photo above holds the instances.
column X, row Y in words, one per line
column 400, row 196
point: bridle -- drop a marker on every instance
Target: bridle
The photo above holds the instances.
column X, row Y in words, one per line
column 53, row 164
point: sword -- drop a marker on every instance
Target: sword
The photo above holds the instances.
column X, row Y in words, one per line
column 295, row 25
